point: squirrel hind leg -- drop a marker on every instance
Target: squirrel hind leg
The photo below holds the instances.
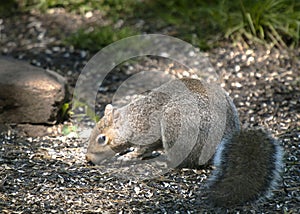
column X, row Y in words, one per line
column 248, row 167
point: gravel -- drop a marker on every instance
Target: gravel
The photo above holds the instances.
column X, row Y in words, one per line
column 49, row 174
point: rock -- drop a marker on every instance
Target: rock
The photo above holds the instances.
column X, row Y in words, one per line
column 28, row 94
column 33, row 130
column 27, row 130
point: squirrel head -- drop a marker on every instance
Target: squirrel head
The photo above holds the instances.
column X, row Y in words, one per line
column 103, row 139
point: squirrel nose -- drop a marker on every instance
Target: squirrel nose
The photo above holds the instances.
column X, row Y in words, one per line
column 88, row 160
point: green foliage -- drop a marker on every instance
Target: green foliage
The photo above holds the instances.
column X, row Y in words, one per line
column 187, row 17
column 65, row 110
column 7, row 7
column 96, row 38
column 71, row 5
column 200, row 22
column 87, row 111
column 275, row 22
column 67, row 129
column 113, row 8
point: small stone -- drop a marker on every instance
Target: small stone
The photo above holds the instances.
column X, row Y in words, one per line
column 164, row 54
column 66, row 55
column 48, row 51
column 240, row 75
column 191, row 53
column 249, row 52
column 250, row 60
column 237, row 68
column 237, row 84
column 56, row 49
column 88, row 14
column 83, row 54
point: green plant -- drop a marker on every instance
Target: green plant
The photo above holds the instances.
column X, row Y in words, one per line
column 67, row 129
column 96, row 38
column 275, row 21
column 202, row 23
column 87, row 111
column 188, row 19
column 112, row 8
column 7, row 7
column 65, row 110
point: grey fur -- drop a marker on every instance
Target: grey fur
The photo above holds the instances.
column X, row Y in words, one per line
column 192, row 120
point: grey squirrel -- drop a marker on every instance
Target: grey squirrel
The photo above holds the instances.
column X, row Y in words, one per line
column 194, row 121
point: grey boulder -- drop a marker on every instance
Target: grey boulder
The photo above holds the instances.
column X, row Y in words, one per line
column 29, row 94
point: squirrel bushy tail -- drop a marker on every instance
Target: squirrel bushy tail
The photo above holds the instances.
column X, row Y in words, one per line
column 248, row 167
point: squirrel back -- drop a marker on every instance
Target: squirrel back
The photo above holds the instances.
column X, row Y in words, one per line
column 192, row 121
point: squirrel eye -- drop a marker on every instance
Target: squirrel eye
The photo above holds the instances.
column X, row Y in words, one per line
column 101, row 139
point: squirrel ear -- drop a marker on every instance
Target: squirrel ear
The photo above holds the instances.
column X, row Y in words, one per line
column 110, row 113
column 108, row 109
